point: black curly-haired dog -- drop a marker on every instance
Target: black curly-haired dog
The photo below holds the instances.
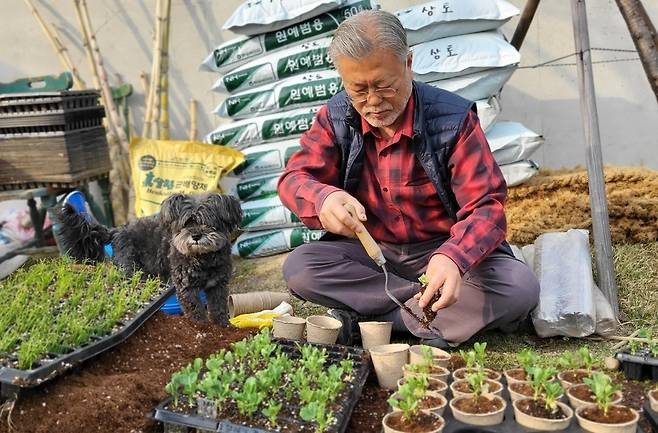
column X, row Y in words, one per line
column 188, row 243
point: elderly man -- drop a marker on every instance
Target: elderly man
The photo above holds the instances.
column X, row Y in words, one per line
column 415, row 164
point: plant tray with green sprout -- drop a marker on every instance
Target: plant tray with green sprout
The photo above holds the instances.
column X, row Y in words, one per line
column 267, row 385
column 56, row 314
column 640, row 360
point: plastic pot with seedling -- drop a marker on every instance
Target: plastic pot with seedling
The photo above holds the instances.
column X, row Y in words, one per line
column 481, row 408
column 526, row 359
column 583, row 394
column 543, row 411
column 534, row 386
column 475, row 381
column 428, row 401
column 604, row 416
column 407, row 415
column 426, row 366
column 577, row 366
column 419, row 352
column 475, row 360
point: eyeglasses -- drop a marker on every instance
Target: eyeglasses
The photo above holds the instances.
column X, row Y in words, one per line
column 359, row 97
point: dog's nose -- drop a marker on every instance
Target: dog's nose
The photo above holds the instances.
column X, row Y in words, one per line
column 196, row 237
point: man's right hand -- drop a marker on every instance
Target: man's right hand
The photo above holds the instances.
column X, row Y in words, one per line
column 335, row 218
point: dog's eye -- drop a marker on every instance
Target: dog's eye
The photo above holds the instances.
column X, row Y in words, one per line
column 189, row 222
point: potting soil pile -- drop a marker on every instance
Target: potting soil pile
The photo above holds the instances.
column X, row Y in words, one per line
column 280, row 74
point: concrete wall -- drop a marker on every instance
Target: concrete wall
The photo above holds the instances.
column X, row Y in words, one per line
column 545, row 99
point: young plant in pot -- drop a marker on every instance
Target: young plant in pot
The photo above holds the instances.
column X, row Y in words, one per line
column 604, row 416
column 408, row 414
column 481, row 408
column 433, row 385
column 527, row 359
column 534, row 386
column 475, row 360
column 478, row 380
column 653, row 399
column 577, row 366
column 543, row 411
column 583, row 394
column 426, row 366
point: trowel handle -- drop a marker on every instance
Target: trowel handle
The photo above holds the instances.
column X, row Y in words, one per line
column 367, row 241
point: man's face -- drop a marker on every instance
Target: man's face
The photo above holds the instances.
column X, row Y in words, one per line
column 375, row 76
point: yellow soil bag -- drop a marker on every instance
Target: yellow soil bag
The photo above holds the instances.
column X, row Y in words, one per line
column 161, row 168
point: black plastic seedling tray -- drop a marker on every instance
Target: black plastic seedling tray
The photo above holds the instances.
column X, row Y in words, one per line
column 638, row 366
column 12, row 380
column 335, row 354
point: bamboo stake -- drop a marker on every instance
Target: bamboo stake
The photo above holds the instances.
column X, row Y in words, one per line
column 193, row 131
column 164, row 80
column 152, row 109
column 58, row 46
column 144, row 79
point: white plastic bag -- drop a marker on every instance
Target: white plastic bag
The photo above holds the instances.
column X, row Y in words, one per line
column 296, row 60
column 488, row 111
column 256, row 130
column 511, row 142
column 239, row 51
column 563, row 266
column 461, row 55
column 519, row 172
column 299, row 91
column 271, row 242
column 443, row 18
column 256, row 187
column 266, row 158
column 267, row 213
column 480, row 85
column 259, row 16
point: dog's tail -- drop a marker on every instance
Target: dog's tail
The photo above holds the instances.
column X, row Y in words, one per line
column 82, row 239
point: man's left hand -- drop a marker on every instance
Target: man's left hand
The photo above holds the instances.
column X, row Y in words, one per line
column 444, row 277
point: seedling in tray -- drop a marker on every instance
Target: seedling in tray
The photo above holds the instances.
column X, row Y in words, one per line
column 407, row 415
column 605, row 412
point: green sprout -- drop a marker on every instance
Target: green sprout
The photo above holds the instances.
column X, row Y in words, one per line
column 478, row 383
column 480, row 354
column 527, row 358
column 317, row 412
column 423, row 280
column 538, row 378
column 271, row 411
column 586, row 359
column 569, row 360
column 603, row 389
column 249, row 397
column 408, row 396
column 552, row 392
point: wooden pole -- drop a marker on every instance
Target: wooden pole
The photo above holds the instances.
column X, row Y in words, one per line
column 153, row 107
column 58, row 46
column 524, row 23
column 598, row 200
column 193, row 130
column 144, row 80
column 164, row 69
column 644, row 37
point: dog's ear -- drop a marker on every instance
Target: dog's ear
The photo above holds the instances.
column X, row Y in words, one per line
column 173, row 208
column 226, row 208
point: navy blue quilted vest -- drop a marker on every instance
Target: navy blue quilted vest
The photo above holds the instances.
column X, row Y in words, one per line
column 438, row 118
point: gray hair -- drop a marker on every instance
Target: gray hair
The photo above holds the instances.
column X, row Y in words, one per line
column 359, row 35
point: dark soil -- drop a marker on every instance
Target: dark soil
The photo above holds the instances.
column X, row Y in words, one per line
column 371, row 409
column 456, row 362
column 634, row 394
column 537, row 408
column 430, row 402
column 583, row 392
column 517, row 373
column 480, row 405
column 616, row 415
column 420, row 423
column 574, row 376
column 117, row 391
column 427, row 311
column 522, row 388
column 466, row 387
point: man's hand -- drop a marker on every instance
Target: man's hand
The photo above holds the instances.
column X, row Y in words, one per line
column 335, row 218
column 444, row 277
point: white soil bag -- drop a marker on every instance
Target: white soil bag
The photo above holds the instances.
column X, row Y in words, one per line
column 519, row 172
column 239, row 51
column 260, row 16
column 295, row 92
column 256, row 130
column 271, row 242
column 488, row 111
column 296, row 60
column 256, row 187
column 267, row 213
column 461, row 55
column 563, row 266
column 266, row 158
column 443, row 18
column 511, row 141
column 480, row 85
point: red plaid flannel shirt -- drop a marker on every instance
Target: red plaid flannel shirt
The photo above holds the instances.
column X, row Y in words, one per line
column 402, row 205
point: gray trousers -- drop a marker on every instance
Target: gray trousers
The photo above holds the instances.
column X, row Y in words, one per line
column 499, row 293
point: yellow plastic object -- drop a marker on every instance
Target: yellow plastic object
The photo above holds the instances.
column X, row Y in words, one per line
column 161, row 168
column 258, row 320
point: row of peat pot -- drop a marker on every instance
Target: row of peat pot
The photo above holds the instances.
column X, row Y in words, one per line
column 391, row 359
